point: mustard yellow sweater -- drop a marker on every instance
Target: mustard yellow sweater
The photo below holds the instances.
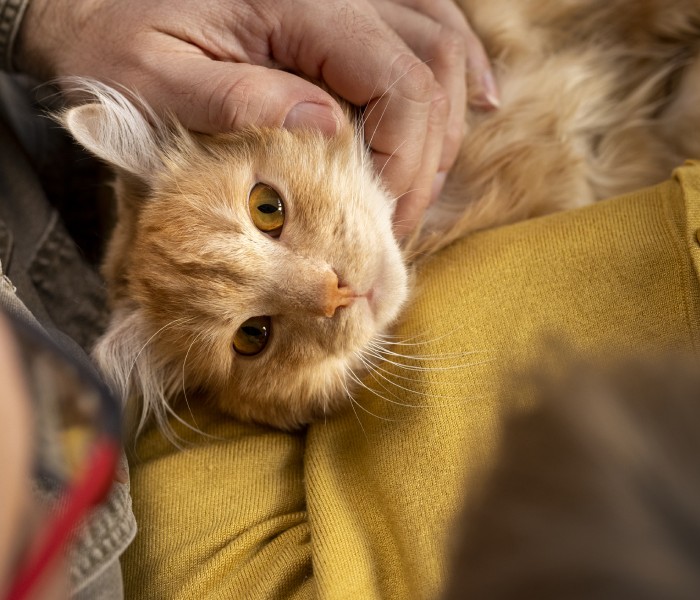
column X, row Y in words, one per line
column 362, row 506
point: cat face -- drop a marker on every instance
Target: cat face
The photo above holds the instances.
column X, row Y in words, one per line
column 248, row 269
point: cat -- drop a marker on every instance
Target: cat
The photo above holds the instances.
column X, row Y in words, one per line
column 250, row 270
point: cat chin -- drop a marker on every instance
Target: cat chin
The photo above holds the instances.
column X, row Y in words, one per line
column 294, row 399
column 319, row 388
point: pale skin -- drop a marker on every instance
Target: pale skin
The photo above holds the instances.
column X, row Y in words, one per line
column 15, row 451
column 20, row 516
column 214, row 64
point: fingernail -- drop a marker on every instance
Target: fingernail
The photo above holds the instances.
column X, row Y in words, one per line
column 438, row 184
column 309, row 115
column 490, row 89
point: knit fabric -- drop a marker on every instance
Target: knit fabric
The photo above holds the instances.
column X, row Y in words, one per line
column 362, row 505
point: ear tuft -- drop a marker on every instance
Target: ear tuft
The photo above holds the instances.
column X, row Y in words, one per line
column 112, row 128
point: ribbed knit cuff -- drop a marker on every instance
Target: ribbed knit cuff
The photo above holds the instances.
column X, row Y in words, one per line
column 11, row 13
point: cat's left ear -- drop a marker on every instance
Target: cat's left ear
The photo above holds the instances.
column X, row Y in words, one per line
column 112, row 128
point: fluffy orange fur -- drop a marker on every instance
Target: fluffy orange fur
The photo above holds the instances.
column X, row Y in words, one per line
column 597, row 97
column 597, row 100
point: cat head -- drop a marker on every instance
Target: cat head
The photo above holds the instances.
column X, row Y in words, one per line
column 247, row 269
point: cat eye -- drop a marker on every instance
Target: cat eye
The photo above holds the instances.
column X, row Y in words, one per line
column 266, row 209
column 251, row 337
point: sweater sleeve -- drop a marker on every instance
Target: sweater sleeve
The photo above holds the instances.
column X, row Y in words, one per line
column 11, row 14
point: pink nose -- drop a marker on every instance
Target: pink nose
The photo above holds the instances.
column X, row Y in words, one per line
column 342, row 296
column 335, row 296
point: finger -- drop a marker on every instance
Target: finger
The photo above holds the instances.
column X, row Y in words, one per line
column 411, row 206
column 445, row 12
column 364, row 61
column 15, row 447
column 213, row 96
column 444, row 51
column 483, row 91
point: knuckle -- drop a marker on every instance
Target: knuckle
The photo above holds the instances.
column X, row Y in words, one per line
column 413, row 77
column 439, row 112
column 450, row 48
column 440, row 104
column 228, row 105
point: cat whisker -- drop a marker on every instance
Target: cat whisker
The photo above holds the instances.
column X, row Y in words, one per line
column 362, row 384
column 390, row 157
column 148, row 341
column 377, row 354
column 408, row 341
column 184, row 387
column 410, row 255
column 378, row 395
column 375, row 370
column 367, row 361
column 374, row 374
column 391, row 338
column 367, row 114
column 397, row 198
column 352, row 405
column 418, row 357
column 170, row 433
column 365, row 117
column 376, row 128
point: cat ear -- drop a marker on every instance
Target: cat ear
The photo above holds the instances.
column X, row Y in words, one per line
column 115, row 130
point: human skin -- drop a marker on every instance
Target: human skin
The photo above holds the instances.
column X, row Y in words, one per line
column 215, row 65
column 21, row 518
column 15, row 451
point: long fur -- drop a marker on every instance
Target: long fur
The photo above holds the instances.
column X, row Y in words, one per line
column 589, row 95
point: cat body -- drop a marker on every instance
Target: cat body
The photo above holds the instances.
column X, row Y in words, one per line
column 597, row 100
column 252, row 270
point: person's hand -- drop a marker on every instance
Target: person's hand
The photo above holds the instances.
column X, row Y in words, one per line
column 21, row 516
column 15, row 452
column 438, row 33
column 215, row 65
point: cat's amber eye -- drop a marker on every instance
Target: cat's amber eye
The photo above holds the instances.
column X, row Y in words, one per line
column 266, row 209
column 251, row 337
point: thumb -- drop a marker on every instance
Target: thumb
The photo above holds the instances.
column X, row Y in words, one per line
column 214, row 96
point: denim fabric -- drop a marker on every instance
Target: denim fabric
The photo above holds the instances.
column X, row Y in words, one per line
column 44, row 278
column 11, row 13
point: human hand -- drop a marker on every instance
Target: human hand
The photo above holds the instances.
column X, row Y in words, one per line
column 214, row 64
column 21, row 516
column 439, row 34
column 15, row 452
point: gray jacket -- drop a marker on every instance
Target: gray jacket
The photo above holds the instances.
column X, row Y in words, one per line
column 44, row 277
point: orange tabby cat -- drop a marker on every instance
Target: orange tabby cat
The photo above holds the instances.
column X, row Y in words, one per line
column 252, row 269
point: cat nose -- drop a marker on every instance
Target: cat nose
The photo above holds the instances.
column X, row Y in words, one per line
column 335, row 295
